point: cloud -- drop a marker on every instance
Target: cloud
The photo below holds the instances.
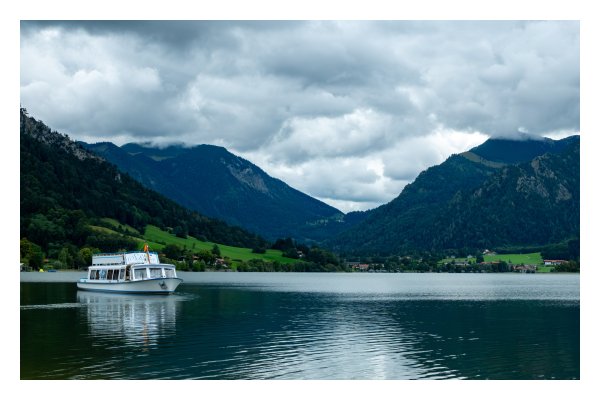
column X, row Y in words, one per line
column 398, row 96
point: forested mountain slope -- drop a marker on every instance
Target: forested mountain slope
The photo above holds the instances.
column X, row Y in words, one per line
column 419, row 218
column 418, row 204
column 58, row 177
column 220, row 184
column 532, row 203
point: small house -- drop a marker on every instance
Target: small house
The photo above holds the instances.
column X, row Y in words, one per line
column 554, row 262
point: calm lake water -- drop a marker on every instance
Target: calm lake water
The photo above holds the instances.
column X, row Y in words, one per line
column 305, row 326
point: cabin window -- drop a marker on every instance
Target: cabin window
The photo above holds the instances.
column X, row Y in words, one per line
column 102, row 274
column 109, row 276
column 122, row 277
column 140, row 274
column 169, row 273
column 155, row 273
column 94, row 274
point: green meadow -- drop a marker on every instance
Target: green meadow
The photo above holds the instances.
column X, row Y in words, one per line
column 531, row 258
column 106, row 230
column 154, row 235
column 116, row 223
column 545, row 269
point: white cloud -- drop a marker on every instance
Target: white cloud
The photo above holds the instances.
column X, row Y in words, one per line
column 345, row 111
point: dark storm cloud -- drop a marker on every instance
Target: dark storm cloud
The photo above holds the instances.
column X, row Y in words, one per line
column 379, row 99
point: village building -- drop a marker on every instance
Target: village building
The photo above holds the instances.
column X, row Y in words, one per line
column 554, row 262
column 457, row 262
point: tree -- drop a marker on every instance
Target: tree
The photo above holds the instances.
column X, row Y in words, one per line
column 189, row 258
column 206, row 256
column 177, row 231
column 36, row 260
column 80, row 260
column 259, row 250
column 216, row 251
column 292, row 253
column 202, row 266
column 172, row 251
column 26, row 248
column 66, row 258
column 62, row 257
column 86, row 254
column 289, row 244
column 479, row 259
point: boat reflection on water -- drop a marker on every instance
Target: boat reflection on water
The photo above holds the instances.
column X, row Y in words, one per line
column 130, row 319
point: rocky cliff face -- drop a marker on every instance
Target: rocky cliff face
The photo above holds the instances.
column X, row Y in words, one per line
column 41, row 132
column 249, row 177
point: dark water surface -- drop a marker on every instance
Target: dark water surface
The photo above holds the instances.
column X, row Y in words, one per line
column 305, row 326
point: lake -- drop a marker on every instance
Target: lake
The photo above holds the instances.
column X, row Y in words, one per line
column 305, row 326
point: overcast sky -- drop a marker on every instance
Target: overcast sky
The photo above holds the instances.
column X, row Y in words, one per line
column 347, row 112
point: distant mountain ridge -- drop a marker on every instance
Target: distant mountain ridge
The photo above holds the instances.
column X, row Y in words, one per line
column 518, row 151
column 412, row 218
column 219, row 184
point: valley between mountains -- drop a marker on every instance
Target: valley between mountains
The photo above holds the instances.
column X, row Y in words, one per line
column 502, row 194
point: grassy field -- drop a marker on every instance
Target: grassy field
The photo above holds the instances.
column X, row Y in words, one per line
column 545, row 269
column 532, row 258
column 154, row 234
column 116, row 223
column 106, row 230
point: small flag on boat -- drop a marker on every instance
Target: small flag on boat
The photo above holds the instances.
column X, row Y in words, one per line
column 147, row 253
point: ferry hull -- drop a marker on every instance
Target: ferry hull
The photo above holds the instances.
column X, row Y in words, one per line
column 153, row 286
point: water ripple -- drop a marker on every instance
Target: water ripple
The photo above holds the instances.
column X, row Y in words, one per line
column 298, row 330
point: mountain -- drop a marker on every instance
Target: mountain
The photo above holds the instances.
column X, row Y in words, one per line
column 64, row 188
column 219, row 184
column 155, row 153
column 518, row 151
column 531, row 203
column 412, row 220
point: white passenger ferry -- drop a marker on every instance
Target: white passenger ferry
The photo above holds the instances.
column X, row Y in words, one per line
column 130, row 272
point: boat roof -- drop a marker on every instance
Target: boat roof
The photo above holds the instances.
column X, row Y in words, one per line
column 121, row 253
column 120, row 266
